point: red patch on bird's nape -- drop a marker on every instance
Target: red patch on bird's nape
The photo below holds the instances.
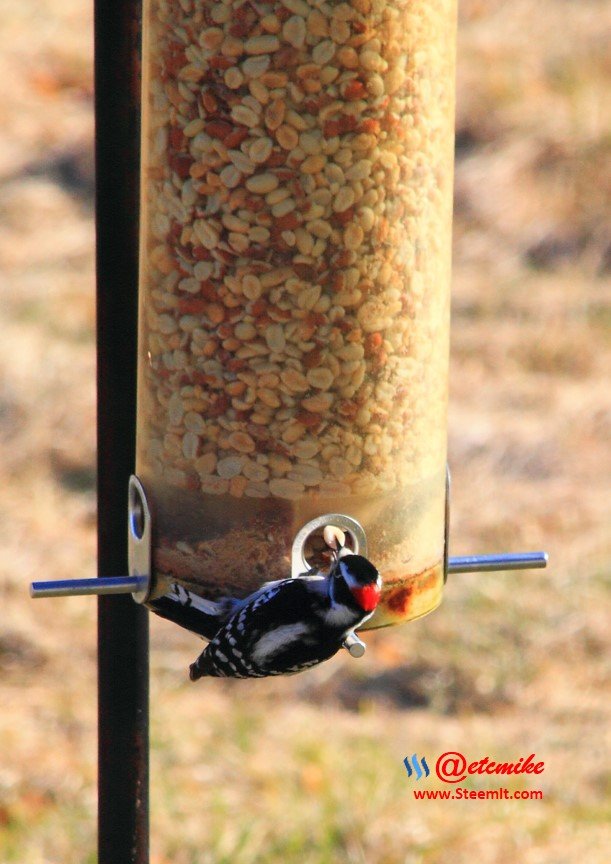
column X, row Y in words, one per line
column 367, row 597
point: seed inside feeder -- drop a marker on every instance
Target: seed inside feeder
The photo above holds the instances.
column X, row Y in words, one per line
column 334, row 537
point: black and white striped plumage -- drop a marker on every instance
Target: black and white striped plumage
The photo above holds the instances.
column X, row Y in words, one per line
column 284, row 627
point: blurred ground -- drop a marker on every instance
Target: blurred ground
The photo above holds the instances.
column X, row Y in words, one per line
column 311, row 770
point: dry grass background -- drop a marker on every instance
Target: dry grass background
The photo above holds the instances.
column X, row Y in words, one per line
column 311, row 770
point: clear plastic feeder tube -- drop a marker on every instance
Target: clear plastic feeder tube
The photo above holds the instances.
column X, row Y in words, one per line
column 294, row 285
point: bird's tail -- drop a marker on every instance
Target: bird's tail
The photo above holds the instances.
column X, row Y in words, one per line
column 201, row 667
column 191, row 611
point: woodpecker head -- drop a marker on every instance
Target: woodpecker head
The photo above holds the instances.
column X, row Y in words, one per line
column 353, row 576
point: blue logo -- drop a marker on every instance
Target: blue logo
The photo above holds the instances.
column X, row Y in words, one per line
column 414, row 765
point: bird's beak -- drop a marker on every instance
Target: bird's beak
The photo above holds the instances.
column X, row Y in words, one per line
column 337, row 552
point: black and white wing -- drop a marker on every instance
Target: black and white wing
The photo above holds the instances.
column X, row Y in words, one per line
column 280, row 630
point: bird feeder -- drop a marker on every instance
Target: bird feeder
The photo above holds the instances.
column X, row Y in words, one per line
column 294, row 289
column 295, row 241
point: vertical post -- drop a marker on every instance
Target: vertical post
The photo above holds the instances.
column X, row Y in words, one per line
column 122, row 625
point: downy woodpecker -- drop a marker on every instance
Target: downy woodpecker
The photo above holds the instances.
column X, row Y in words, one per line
column 284, row 627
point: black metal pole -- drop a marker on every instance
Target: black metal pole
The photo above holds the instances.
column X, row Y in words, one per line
column 123, row 829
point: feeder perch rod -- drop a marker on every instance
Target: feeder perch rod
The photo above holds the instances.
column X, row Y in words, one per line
column 131, row 584
column 103, row 585
column 490, row 563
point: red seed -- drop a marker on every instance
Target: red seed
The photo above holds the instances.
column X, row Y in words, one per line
column 263, row 321
column 220, row 62
column 224, row 331
column 287, row 222
column 389, row 121
column 311, row 106
column 175, row 232
column 275, row 159
column 192, row 306
column 209, row 102
column 236, row 365
column 209, row 291
column 180, row 163
column 175, row 61
column 254, row 204
column 243, row 13
column 370, row 126
column 331, row 128
column 305, row 271
column 220, row 405
column 348, row 408
column 235, row 138
column 354, row 90
column 373, row 343
column 218, row 129
column 312, row 358
column 177, row 139
column 347, row 123
column 315, row 318
column 239, row 29
column 339, row 220
column 343, row 259
column 200, row 253
column 306, row 418
column 285, row 57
